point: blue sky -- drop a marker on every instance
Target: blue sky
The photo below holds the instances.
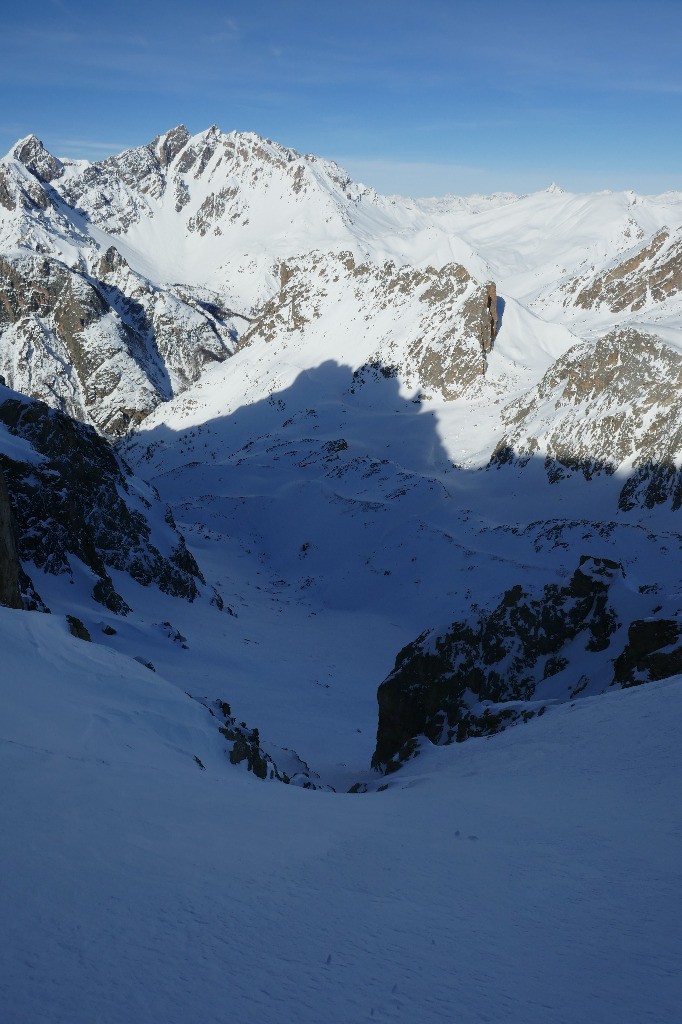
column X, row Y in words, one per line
column 441, row 96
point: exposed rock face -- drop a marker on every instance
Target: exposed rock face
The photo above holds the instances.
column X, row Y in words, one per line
column 120, row 191
column 33, row 155
column 184, row 330
column 653, row 651
column 489, row 318
column 653, row 274
column 439, row 681
column 77, row 499
column 426, row 324
column 169, row 145
column 7, row 199
column 10, row 592
column 78, row 628
column 601, row 405
column 246, row 750
column 103, row 349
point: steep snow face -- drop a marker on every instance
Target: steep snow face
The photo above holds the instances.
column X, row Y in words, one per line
column 189, row 209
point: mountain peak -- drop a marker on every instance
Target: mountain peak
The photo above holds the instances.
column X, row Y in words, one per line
column 39, row 161
column 169, row 145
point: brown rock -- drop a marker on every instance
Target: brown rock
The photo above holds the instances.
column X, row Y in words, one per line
column 168, row 146
column 653, row 273
column 489, row 319
column 6, row 198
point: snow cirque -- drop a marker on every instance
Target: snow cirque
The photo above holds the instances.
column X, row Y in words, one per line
column 292, row 427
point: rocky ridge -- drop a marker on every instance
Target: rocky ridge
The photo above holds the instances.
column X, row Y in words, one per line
column 104, row 348
column 432, row 327
column 615, row 404
column 121, row 190
column 650, row 275
column 74, row 501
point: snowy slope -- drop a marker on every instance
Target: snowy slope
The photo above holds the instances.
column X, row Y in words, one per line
column 341, row 513
column 529, row 877
column 361, row 440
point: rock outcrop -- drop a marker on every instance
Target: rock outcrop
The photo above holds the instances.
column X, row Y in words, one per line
column 653, row 651
column 246, row 750
column 10, row 591
column 652, row 275
column 553, row 646
column 603, row 405
column 489, row 318
column 32, row 154
column 105, row 347
column 73, row 499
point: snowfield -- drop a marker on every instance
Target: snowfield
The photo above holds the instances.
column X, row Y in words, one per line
column 531, row 877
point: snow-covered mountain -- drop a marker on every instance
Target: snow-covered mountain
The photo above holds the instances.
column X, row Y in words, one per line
column 459, row 369
column 278, row 438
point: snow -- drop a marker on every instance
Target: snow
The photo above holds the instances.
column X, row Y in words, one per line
column 530, row 877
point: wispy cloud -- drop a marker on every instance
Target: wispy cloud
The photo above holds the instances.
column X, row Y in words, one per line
column 418, row 177
column 429, row 178
column 86, row 148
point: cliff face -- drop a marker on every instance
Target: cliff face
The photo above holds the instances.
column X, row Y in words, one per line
column 104, row 347
column 489, row 318
column 10, row 592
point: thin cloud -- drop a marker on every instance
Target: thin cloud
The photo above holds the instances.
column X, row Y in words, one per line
column 416, row 177
column 85, row 148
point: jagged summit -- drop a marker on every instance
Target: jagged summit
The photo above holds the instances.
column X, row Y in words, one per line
column 33, row 155
column 168, row 146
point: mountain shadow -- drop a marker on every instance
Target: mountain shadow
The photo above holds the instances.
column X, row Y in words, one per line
column 525, row 585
